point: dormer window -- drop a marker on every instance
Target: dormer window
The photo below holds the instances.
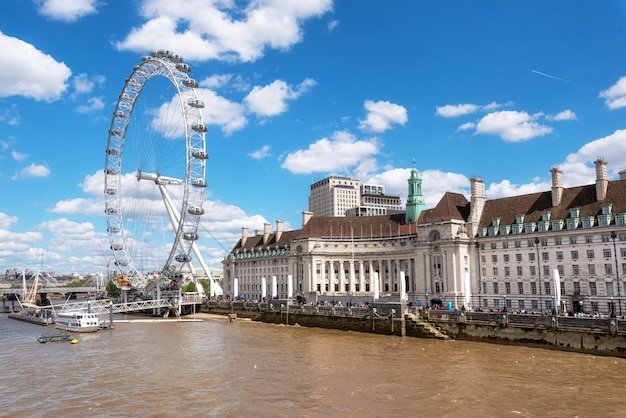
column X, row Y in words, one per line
column 495, row 221
column 606, row 209
column 572, row 223
column 587, row 221
column 557, row 224
column 529, row 227
column 545, row 216
column 574, row 212
column 519, row 218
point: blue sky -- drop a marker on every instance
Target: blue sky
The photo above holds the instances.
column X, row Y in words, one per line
column 297, row 91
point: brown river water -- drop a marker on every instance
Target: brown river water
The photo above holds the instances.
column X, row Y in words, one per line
column 249, row 369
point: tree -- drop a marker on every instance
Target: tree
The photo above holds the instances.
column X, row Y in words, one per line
column 112, row 289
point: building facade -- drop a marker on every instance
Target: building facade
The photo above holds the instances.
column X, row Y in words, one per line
column 334, row 195
column 561, row 249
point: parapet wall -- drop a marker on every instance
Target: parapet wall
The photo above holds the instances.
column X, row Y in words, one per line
column 588, row 335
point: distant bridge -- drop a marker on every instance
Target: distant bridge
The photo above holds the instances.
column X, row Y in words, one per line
column 64, row 290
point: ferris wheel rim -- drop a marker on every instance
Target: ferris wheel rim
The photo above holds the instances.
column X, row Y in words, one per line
column 159, row 64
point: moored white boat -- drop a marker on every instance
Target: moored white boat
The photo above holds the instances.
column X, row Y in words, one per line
column 76, row 321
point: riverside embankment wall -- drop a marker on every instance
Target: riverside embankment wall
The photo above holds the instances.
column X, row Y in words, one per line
column 606, row 336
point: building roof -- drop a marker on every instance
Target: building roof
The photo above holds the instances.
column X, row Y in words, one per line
column 353, row 226
column 452, row 206
column 534, row 204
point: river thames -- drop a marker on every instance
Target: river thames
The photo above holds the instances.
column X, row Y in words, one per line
column 217, row 368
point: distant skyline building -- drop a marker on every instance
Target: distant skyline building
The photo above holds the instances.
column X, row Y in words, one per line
column 344, row 196
column 334, row 195
column 374, row 201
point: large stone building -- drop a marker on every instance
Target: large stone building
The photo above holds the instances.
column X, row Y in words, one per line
column 563, row 249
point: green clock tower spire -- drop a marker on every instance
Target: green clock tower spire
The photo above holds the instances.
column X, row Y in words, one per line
column 415, row 201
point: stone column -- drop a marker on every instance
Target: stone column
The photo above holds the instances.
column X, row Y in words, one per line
column 351, row 284
column 361, row 277
column 342, row 278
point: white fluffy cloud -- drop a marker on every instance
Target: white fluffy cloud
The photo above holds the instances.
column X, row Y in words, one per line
column 615, row 96
column 451, row 111
column 67, row 11
column 381, row 115
column 35, row 170
column 271, row 100
column 261, row 153
column 564, row 115
column 340, row 153
column 578, row 167
column 227, row 30
column 434, row 183
column 26, row 71
column 512, row 126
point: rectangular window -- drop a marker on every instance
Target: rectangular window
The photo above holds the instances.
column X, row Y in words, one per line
column 531, row 243
column 544, row 242
column 593, row 290
column 589, row 239
column 546, row 270
column 496, row 303
column 483, row 258
column 520, row 272
column 606, row 253
column 484, row 271
column 624, row 268
column 507, row 271
column 521, row 303
column 494, row 246
column 561, row 269
column 507, row 288
column 531, row 256
column 609, row 289
column 533, row 271
column 562, row 288
column 518, row 244
column 546, row 286
column 575, row 269
column 577, row 288
column 558, row 241
column 505, row 245
column 590, row 254
column 592, row 269
column 485, row 303
column 495, row 271
column 506, row 258
column 496, row 290
column 484, row 287
column 545, row 256
column 622, row 252
column 575, row 255
column 494, row 258
column 559, row 256
column 608, row 269
column 534, row 304
column 518, row 257
column 572, row 240
column 520, row 288
column 606, row 238
column 533, row 288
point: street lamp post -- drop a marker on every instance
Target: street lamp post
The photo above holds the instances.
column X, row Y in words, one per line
column 538, row 273
column 619, row 302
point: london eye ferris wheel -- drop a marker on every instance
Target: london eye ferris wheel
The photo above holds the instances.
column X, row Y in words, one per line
column 155, row 171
